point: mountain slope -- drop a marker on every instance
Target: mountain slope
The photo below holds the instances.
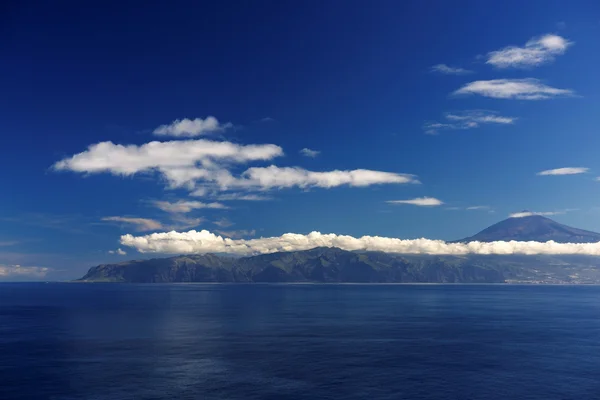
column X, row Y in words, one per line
column 533, row 228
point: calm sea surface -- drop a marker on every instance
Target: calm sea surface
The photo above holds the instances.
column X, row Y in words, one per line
column 188, row 341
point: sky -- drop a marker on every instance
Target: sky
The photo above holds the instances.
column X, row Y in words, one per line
column 255, row 119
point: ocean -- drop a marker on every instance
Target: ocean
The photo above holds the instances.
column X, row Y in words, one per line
column 66, row 341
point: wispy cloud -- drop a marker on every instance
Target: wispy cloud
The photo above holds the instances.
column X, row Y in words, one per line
column 419, row 201
column 185, row 206
column 223, row 223
column 523, row 214
column 274, row 177
column 520, row 89
column 447, row 70
column 180, row 221
column 537, row 51
column 242, row 233
column 140, row 224
column 267, row 119
column 309, row 153
column 21, row 272
column 118, row 251
column 8, row 243
column 241, row 197
column 469, row 119
column 192, row 127
column 473, row 208
column 198, row 242
column 565, row 171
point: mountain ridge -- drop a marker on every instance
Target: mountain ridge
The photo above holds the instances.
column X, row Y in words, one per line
column 334, row 265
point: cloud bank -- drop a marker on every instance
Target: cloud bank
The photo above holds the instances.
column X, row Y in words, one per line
column 191, row 127
column 18, row 271
column 195, row 242
column 520, row 89
column 565, row 171
column 537, row 51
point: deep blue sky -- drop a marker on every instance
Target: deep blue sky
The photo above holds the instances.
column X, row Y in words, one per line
column 351, row 79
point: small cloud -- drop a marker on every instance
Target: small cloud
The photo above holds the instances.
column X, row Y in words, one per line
column 267, row 119
column 192, row 127
column 119, row 251
column 8, row 243
column 447, row 70
column 309, row 153
column 472, row 208
column 537, row 51
column 520, row 89
column 469, row 119
column 183, row 206
column 140, row 224
column 561, row 25
column 237, row 234
column 565, row 171
column 419, row 201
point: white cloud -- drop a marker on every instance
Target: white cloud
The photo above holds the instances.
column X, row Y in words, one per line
column 191, row 127
column 202, row 166
column 521, row 89
column 8, row 243
column 140, row 224
column 467, row 120
column 176, row 160
column 419, row 201
column 537, row 51
column 118, row 251
column 445, row 69
column 274, row 177
column 565, row 171
column 183, row 206
column 523, row 214
column 18, row 271
column 309, row 153
column 193, row 242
